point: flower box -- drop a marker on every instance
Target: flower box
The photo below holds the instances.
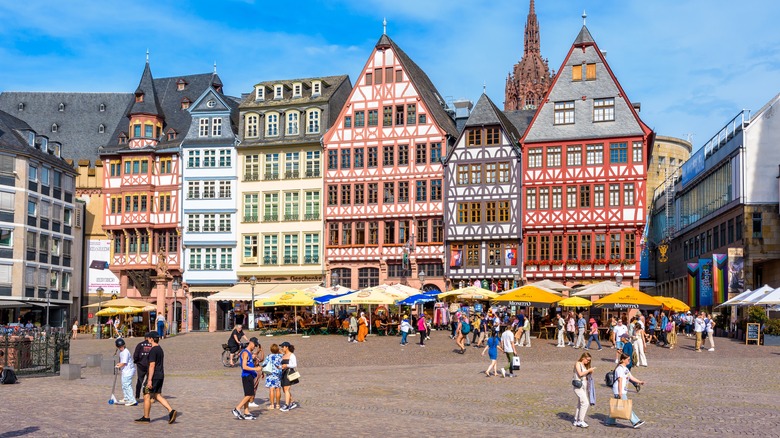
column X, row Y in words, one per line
column 557, row 267
column 531, row 267
column 544, row 267
column 615, row 266
column 572, row 267
column 598, row 267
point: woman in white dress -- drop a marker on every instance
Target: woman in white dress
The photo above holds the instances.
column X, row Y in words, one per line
column 639, row 344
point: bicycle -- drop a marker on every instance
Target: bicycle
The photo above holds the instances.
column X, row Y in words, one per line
column 226, row 355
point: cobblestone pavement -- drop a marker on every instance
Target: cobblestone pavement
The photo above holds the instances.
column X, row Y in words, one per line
column 381, row 388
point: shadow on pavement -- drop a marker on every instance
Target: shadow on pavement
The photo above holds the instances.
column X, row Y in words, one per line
column 20, row 432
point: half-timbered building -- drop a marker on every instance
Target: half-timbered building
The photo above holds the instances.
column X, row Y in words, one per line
column 383, row 182
column 142, row 187
column 482, row 199
column 584, row 160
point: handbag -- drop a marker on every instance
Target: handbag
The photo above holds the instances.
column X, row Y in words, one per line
column 269, row 368
column 620, row 409
column 516, row 363
column 577, row 383
column 295, row 375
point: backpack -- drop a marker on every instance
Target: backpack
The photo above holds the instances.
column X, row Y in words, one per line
column 609, row 378
column 669, row 326
column 465, row 328
column 8, row 376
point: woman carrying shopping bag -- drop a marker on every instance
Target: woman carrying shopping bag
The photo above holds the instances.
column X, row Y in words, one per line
column 618, row 409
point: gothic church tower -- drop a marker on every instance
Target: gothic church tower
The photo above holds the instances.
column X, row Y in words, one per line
column 530, row 79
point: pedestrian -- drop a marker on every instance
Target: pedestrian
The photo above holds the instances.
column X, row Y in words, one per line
column 234, row 342
column 661, row 331
column 651, row 328
column 362, row 327
column 525, row 336
column 484, row 331
column 422, row 329
column 508, row 347
column 127, row 367
column 699, row 329
column 571, row 325
column 640, row 345
column 117, row 333
column 75, row 329
column 618, row 331
column 248, row 374
column 593, row 334
column 154, row 381
column 405, row 327
column 353, row 328
column 141, row 361
column 620, row 390
column 272, row 367
column 582, row 370
column 561, row 325
column 628, row 350
column 580, row 331
column 612, row 324
column 492, row 350
column 461, row 331
column 688, row 324
column 671, row 331
column 258, row 355
column 161, row 325
column 709, row 325
column 476, row 328
column 289, row 364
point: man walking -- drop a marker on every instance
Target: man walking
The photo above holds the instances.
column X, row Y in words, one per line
column 141, row 361
column 154, row 381
column 619, row 331
column 127, row 367
column 561, row 331
column 161, row 325
column 580, row 331
column 699, row 327
column 508, row 347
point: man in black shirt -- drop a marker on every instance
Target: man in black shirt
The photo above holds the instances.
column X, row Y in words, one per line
column 154, row 381
column 234, row 342
column 141, row 361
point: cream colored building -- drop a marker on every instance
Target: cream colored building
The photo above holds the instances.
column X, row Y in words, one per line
column 666, row 159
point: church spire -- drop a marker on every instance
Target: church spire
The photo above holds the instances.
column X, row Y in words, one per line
column 532, row 43
column 530, row 78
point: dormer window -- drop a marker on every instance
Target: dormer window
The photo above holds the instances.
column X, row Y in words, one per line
column 185, row 103
column 54, row 127
column 297, row 87
column 55, row 150
column 181, row 84
column 101, row 129
column 139, row 97
column 260, row 93
column 102, row 107
column 122, row 138
column 61, row 107
column 31, row 138
column 278, row 91
column 21, row 106
column 44, row 144
column 171, row 135
column 316, row 88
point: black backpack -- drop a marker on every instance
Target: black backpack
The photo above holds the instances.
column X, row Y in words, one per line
column 8, row 376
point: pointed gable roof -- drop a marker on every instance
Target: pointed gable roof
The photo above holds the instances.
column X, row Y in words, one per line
column 422, row 83
column 486, row 112
column 584, row 50
column 149, row 104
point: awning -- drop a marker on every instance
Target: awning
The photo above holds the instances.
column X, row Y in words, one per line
column 4, row 303
column 243, row 291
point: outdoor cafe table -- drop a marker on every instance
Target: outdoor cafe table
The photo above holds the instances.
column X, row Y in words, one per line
column 544, row 331
column 391, row 328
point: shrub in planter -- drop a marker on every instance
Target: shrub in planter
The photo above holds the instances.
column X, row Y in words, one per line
column 757, row 314
column 772, row 332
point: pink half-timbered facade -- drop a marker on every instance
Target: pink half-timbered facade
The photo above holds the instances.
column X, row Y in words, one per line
column 383, row 180
column 584, row 175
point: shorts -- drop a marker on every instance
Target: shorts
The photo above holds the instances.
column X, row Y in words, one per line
column 248, row 382
column 157, row 385
column 618, row 345
column 651, row 332
column 234, row 348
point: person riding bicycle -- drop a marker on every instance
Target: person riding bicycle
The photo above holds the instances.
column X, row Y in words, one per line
column 234, row 342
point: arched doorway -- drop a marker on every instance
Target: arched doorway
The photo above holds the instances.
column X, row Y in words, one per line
column 200, row 314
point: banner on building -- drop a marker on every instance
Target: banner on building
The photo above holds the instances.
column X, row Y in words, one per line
column 693, row 283
column 705, row 282
column 736, row 271
column 456, row 258
column 511, row 257
column 720, row 275
column 98, row 275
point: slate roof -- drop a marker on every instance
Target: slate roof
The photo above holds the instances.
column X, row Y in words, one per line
column 78, row 125
column 428, row 92
column 521, row 119
column 583, row 37
column 12, row 139
column 150, row 104
column 486, row 112
column 169, row 97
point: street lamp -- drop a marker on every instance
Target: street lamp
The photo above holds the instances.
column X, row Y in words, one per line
column 48, row 306
column 334, row 279
column 252, row 282
column 517, row 277
column 176, row 285
column 421, row 276
column 99, row 292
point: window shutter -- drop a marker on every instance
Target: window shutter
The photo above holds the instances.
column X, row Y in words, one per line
column 576, row 73
column 5, row 274
column 591, row 72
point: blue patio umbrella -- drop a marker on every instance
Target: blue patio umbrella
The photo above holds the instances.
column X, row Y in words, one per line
column 416, row 299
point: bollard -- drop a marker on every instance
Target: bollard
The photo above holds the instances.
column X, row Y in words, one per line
column 107, row 366
column 70, row 371
column 93, row 360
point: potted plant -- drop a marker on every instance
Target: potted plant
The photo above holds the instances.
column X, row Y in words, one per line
column 571, row 264
column 544, row 265
column 586, row 264
column 772, row 332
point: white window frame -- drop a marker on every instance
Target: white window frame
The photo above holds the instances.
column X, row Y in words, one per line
column 278, row 92
column 203, row 127
column 216, row 127
column 272, row 125
column 251, row 123
column 292, row 122
column 260, row 92
column 313, row 118
column 316, row 88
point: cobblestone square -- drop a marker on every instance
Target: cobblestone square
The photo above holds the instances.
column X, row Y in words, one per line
column 381, row 388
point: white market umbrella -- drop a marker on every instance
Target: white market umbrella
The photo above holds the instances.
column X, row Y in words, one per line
column 736, row 300
column 757, row 294
column 552, row 285
column 601, row 289
column 770, row 298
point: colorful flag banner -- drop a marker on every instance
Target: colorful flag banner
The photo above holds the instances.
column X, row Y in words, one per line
column 456, row 258
column 511, row 257
column 705, row 282
column 720, row 277
column 693, row 280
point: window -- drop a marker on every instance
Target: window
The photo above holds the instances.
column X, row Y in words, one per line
column 491, row 173
column 297, row 90
column 421, row 153
column 209, row 223
column 373, row 117
column 554, row 156
column 601, row 246
column 557, row 247
column 757, row 225
column 585, row 246
column 475, row 174
column 209, row 189
column 399, row 115
column 628, row 194
column 388, row 193
column 360, row 119
column 544, row 247
column 43, row 243
column 436, row 190
column 250, row 248
column 209, row 158
column 503, row 211
column 614, row 195
column 312, row 164
column 311, row 248
column 313, row 122
column 372, row 156
column 435, row 153
column 224, row 158
column 260, row 93
column 571, row 197
column 492, row 136
column 333, row 195
column 252, row 168
column 291, row 170
column 403, row 191
column 369, row 79
column 203, row 127
column 346, row 158
column 373, row 233
column 564, row 113
column 290, row 249
column 590, row 72
column 614, row 246
column 292, row 122
column 291, row 206
column 193, row 159
column 278, row 91
column 403, row 154
column 333, row 234
column 389, row 233
column 387, row 116
column 272, row 125
column 225, row 223
column 32, row 208
column 346, row 194
column 368, row 277
column 411, row 109
column 557, row 197
column 422, row 231
column 474, row 137
column 618, row 153
column 472, row 254
column 347, row 121
column 115, row 168
column 576, row 72
column 403, row 231
column 630, row 246
column 463, row 213
column 604, row 110
column 251, row 207
column 503, row 173
column 534, row 157
column 316, row 88
column 225, row 259
column 216, row 127
column 333, row 159
column 437, row 231
column 544, row 198
column 388, row 155
column 422, row 191
column 373, row 193
column 584, row 196
column 636, row 148
column 475, row 212
column 530, row 199
column 271, row 166
column 360, row 194
column 531, row 248
column 7, row 238
column 166, row 165
column 594, row 154
column 598, row 195
column 271, row 250
column 44, row 173
column 7, row 201
column 574, row 155
column 68, row 217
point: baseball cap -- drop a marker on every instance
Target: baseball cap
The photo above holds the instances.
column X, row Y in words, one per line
column 152, row 335
column 285, row 344
column 254, row 340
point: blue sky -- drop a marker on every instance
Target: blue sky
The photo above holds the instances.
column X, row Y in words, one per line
column 692, row 64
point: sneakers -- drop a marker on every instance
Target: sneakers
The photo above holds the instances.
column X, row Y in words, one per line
column 237, row 414
column 561, row 346
column 711, row 349
column 503, row 372
column 143, row 420
column 639, row 424
column 249, row 417
column 421, row 345
column 599, row 349
column 253, row 405
column 583, row 424
column 576, row 424
column 172, row 416
column 121, row 402
column 284, row 408
column 131, row 404
column 293, row 405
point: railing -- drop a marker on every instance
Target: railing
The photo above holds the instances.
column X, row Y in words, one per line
column 271, row 218
column 313, row 174
column 250, row 218
column 290, row 260
column 251, row 176
column 291, row 217
column 311, row 217
column 270, row 260
column 271, row 176
column 727, row 132
column 292, row 174
column 34, row 351
column 311, row 260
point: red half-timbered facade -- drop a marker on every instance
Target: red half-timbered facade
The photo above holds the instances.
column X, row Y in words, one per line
column 383, row 180
column 584, row 175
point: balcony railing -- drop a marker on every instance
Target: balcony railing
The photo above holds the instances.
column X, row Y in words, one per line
column 267, row 260
column 291, row 217
column 311, row 217
column 271, row 176
column 292, row 174
column 271, row 218
column 250, row 218
column 251, row 176
column 290, row 260
column 311, row 260
column 313, row 174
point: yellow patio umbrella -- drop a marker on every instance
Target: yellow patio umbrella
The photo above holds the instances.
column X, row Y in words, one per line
column 574, row 302
column 120, row 302
column 108, row 311
column 628, row 298
column 528, row 296
column 130, row 310
column 370, row 296
column 483, row 294
column 672, row 303
column 463, row 290
column 295, row 297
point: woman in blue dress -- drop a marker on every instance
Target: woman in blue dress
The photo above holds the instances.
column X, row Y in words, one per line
column 273, row 380
column 492, row 350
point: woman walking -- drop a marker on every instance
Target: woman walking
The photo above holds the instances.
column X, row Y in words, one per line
column 620, row 390
column 492, row 350
column 710, row 327
column 75, row 329
column 422, row 329
column 463, row 328
column 612, row 324
column 593, row 334
column 288, row 363
column 582, row 369
column 640, row 344
column 672, row 332
column 362, row 327
column 273, row 379
column 571, row 326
